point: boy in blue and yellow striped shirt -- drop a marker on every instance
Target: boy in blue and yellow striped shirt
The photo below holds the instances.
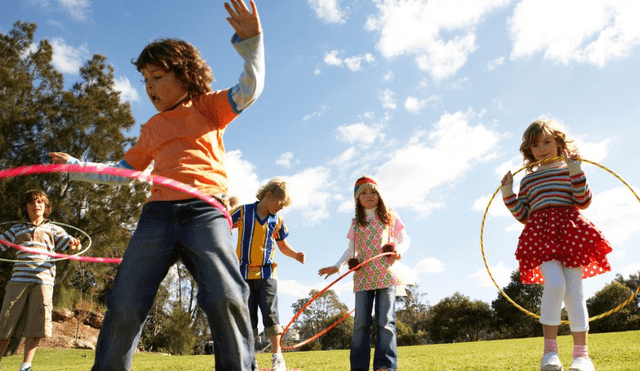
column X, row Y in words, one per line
column 260, row 230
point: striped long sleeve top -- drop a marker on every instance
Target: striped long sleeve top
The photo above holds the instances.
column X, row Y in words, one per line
column 549, row 187
column 33, row 267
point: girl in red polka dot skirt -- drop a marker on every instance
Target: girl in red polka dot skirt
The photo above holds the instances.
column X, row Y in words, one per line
column 558, row 246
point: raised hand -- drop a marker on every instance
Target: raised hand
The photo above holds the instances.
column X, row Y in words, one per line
column 59, row 157
column 507, row 180
column 245, row 23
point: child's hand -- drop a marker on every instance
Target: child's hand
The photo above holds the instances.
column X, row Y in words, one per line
column 507, row 184
column 328, row 271
column 507, row 180
column 300, row 257
column 245, row 23
column 74, row 244
column 573, row 162
column 569, row 157
column 59, row 157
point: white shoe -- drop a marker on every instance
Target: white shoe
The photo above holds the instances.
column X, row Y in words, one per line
column 551, row 362
column 277, row 362
column 582, row 364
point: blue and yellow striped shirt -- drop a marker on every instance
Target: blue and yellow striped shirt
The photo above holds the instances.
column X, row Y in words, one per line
column 257, row 241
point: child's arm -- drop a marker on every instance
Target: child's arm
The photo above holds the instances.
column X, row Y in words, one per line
column 64, row 158
column 248, row 42
column 580, row 189
column 518, row 208
column 286, row 249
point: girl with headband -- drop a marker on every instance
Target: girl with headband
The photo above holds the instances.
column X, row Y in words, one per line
column 375, row 229
column 558, row 246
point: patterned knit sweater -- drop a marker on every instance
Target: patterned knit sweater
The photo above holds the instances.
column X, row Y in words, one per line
column 548, row 187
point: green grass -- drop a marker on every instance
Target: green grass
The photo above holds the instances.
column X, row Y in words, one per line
column 610, row 352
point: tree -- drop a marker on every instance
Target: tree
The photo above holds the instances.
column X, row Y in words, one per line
column 511, row 322
column 411, row 317
column 322, row 313
column 626, row 318
column 458, row 319
column 38, row 116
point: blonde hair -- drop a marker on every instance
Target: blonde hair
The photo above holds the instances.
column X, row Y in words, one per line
column 541, row 127
column 278, row 188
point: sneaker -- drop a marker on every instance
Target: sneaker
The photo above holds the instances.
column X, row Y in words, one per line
column 551, row 362
column 277, row 362
column 581, row 364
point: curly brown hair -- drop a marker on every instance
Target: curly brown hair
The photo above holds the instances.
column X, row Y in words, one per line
column 540, row 127
column 183, row 59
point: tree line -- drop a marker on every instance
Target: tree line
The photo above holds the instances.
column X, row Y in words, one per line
column 457, row 318
column 39, row 115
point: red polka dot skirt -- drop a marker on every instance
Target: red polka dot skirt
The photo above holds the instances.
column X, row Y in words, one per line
column 563, row 234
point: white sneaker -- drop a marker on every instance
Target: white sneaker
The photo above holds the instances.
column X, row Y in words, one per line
column 277, row 362
column 551, row 362
column 581, row 364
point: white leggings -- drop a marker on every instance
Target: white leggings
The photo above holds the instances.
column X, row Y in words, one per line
column 563, row 284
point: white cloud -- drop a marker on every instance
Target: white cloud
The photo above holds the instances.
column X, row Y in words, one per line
column 329, row 10
column 293, row 288
column 605, row 30
column 352, row 63
column 68, row 59
column 593, row 151
column 492, row 65
column 310, row 193
column 286, row 160
column 633, row 268
column 77, row 8
column 415, row 105
column 127, row 91
column 319, row 113
column 388, row 99
column 415, row 170
column 439, row 33
column 429, row 265
column 243, row 181
column 344, row 158
column 501, row 274
column 360, row 133
column 616, row 212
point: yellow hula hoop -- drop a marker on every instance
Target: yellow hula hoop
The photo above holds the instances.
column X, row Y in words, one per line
column 484, row 258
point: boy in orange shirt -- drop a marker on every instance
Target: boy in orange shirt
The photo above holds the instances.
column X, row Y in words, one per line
column 184, row 141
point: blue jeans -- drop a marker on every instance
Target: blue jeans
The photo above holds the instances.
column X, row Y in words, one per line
column 263, row 295
column 386, row 352
column 199, row 234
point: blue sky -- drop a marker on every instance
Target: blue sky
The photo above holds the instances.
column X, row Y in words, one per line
column 431, row 97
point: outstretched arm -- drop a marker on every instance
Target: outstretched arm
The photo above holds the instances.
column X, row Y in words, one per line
column 286, row 249
column 64, row 158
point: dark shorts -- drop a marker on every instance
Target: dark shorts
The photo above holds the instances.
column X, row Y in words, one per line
column 263, row 295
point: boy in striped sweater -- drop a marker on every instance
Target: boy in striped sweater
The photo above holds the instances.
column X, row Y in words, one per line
column 30, row 290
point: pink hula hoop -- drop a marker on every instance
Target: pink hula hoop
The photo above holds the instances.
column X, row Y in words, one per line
column 314, row 337
column 61, row 168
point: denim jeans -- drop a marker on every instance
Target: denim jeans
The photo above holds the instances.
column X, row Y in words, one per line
column 263, row 295
column 386, row 353
column 199, row 234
